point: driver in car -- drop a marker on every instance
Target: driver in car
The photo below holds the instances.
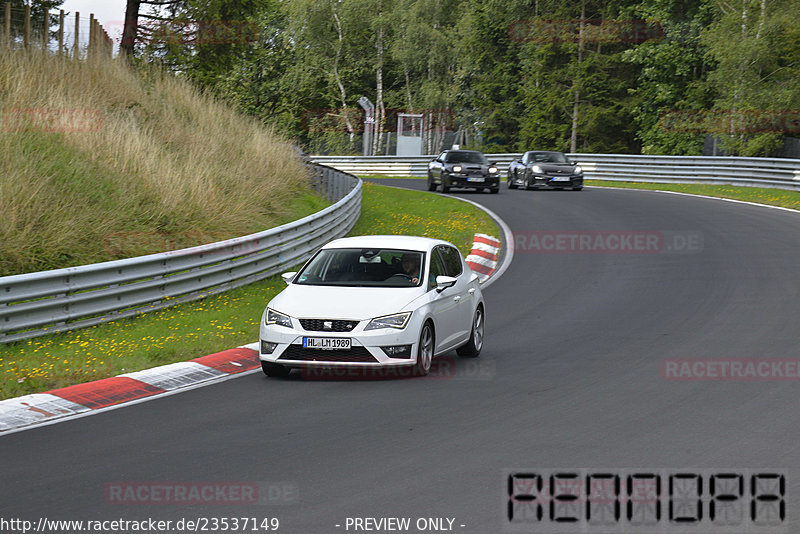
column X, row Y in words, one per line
column 410, row 263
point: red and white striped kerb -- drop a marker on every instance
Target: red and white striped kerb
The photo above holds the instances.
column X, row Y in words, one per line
column 483, row 257
column 61, row 403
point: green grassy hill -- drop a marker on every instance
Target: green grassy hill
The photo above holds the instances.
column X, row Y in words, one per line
column 99, row 161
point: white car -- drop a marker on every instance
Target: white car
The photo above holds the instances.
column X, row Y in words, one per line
column 374, row 301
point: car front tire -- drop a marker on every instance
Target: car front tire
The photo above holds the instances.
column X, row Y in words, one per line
column 431, row 183
column 510, row 183
column 275, row 371
column 473, row 347
column 425, row 350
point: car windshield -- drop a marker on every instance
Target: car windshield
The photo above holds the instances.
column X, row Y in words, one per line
column 549, row 157
column 466, row 157
column 356, row 267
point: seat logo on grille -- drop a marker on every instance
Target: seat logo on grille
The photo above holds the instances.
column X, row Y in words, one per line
column 327, row 325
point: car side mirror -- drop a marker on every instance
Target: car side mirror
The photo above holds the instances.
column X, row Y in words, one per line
column 287, row 277
column 492, row 163
column 443, row 282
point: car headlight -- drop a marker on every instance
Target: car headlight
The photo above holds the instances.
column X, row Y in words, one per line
column 536, row 169
column 578, row 169
column 396, row 320
column 457, row 168
column 492, row 170
column 278, row 318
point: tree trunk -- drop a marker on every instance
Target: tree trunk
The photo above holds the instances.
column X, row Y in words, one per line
column 380, row 109
column 337, row 76
column 130, row 29
column 573, row 141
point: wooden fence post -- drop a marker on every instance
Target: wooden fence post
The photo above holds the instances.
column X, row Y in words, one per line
column 8, row 25
column 77, row 51
column 89, row 50
column 26, row 36
column 46, row 35
column 60, row 31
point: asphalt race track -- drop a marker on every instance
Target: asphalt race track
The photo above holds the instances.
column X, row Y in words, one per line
column 572, row 376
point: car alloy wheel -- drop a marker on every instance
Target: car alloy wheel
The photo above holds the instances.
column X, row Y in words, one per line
column 473, row 347
column 431, row 184
column 425, row 350
column 510, row 183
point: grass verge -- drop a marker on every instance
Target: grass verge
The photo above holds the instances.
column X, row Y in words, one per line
column 219, row 322
column 97, row 150
column 760, row 195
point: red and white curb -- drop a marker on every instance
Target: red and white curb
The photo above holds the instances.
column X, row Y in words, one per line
column 43, row 408
column 483, row 257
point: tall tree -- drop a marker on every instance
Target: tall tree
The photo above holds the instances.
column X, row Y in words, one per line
column 132, row 30
column 754, row 46
column 671, row 80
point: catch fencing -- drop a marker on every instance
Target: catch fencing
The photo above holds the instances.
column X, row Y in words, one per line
column 46, row 302
column 68, row 34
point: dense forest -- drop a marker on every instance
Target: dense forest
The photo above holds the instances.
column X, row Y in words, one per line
column 624, row 76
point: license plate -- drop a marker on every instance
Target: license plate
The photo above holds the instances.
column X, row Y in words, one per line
column 475, row 179
column 561, row 178
column 326, row 343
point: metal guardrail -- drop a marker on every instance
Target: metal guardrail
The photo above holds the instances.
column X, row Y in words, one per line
column 46, row 302
column 762, row 172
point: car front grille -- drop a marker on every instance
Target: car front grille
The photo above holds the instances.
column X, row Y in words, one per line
column 327, row 325
column 354, row 355
column 473, row 171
